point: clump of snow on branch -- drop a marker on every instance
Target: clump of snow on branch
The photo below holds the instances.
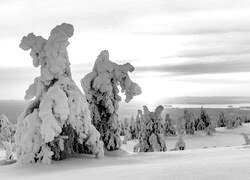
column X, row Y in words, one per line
column 7, row 131
column 56, row 123
column 101, row 89
column 151, row 136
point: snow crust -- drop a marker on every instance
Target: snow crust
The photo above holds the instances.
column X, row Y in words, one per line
column 57, row 122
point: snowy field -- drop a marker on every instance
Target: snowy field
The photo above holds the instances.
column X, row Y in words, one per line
column 222, row 138
column 201, row 160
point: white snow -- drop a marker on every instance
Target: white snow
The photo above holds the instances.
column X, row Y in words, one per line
column 226, row 163
column 217, row 163
column 54, row 105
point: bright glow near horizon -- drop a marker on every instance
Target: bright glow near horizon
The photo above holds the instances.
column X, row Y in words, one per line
column 179, row 48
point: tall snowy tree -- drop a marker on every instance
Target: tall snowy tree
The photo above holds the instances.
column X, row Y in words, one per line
column 169, row 129
column 56, row 123
column 101, row 89
column 152, row 132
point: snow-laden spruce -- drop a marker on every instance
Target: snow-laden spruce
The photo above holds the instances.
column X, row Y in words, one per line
column 101, row 89
column 138, row 123
column 151, row 136
column 7, row 131
column 56, row 123
column 189, row 122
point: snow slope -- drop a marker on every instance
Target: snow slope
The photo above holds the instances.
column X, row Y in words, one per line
column 214, row 163
column 226, row 163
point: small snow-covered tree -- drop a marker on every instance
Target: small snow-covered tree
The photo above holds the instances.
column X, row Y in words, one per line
column 180, row 144
column 127, row 134
column 233, row 121
column 208, row 124
column 180, row 126
column 169, row 129
column 101, row 89
column 152, row 132
column 189, row 122
column 246, row 138
column 221, row 120
column 132, row 128
column 200, row 125
column 210, row 129
column 56, row 123
column 7, row 131
column 138, row 123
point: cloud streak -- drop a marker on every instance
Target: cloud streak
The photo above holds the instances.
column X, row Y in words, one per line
column 198, row 68
column 210, row 52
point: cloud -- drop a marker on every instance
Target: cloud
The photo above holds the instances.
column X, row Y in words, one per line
column 194, row 30
column 98, row 15
column 210, row 52
column 198, row 68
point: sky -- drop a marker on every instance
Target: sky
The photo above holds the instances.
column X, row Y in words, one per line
column 178, row 47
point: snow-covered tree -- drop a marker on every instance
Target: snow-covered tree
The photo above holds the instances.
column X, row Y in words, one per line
column 152, row 132
column 233, row 121
column 246, row 138
column 127, row 134
column 122, row 125
column 132, row 128
column 180, row 144
column 56, row 123
column 221, row 120
column 200, row 125
column 169, row 129
column 180, row 126
column 138, row 123
column 7, row 131
column 101, row 89
column 189, row 122
column 208, row 124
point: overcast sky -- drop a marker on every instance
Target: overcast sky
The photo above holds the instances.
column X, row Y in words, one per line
column 178, row 47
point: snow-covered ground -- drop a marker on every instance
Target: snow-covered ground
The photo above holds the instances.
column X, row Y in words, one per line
column 196, row 162
column 222, row 138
